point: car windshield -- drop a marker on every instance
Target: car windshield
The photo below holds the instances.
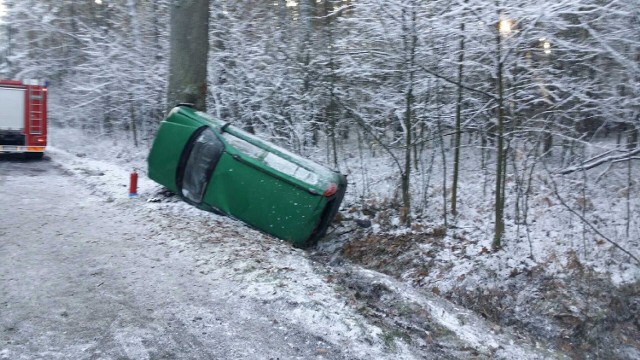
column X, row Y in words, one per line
column 205, row 151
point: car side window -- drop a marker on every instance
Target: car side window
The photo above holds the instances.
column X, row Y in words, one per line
column 206, row 150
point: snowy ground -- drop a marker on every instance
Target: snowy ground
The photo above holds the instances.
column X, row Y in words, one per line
column 88, row 276
column 555, row 278
column 88, row 273
column 102, row 275
column 381, row 292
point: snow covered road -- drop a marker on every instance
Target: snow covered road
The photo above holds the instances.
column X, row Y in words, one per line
column 85, row 278
column 88, row 273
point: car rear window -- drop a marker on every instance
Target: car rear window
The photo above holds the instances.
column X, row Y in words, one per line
column 272, row 160
column 323, row 173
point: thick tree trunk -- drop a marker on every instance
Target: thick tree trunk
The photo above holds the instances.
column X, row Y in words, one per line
column 189, row 43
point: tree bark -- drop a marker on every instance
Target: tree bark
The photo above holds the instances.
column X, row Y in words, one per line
column 189, row 42
column 632, row 137
column 500, row 156
column 456, row 156
column 410, row 41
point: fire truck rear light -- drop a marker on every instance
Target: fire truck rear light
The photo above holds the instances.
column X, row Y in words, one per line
column 35, row 148
column 40, row 140
column 331, row 189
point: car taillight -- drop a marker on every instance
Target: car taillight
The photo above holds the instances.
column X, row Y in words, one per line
column 331, row 189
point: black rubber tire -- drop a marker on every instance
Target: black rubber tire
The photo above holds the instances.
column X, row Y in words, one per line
column 34, row 155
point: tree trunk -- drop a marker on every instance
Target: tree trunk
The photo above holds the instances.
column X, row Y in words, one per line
column 132, row 115
column 189, row 42
column 410, row 43
column 548, row 143
column 500, row 156
column 628, row 197
column 456, row 156
column 406, row 174
column 444, row 173
column 632, row 137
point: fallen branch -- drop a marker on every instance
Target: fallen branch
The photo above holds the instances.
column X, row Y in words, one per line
column 599, row 160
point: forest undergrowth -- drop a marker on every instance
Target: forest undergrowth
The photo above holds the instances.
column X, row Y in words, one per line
column 563, row 274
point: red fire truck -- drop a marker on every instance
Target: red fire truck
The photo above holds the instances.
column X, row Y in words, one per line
column 23, row 117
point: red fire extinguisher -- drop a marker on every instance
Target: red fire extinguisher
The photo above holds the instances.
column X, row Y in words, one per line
column 133, row 184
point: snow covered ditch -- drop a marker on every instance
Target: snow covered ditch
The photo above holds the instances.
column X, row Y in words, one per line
column 313, row 295
column 559, row 279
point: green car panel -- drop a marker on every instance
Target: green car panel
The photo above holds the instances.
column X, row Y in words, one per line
column 218, row 167
column 164, row 158
column 263, row 201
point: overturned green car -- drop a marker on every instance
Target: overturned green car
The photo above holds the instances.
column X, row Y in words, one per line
column 218, row 167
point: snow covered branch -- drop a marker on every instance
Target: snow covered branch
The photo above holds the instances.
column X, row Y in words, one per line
column 600, row 160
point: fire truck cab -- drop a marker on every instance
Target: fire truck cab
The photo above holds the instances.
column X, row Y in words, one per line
column 23, row 117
